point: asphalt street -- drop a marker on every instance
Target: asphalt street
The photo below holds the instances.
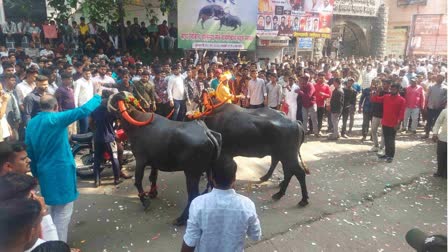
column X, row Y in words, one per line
column 357, row 203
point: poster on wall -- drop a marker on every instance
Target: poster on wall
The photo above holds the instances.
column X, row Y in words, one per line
column 217, row 25
column 396, row 41
column 299, row 18
column 429, row 35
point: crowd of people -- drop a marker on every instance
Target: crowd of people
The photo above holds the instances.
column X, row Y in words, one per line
column 85, row 37
column 48, row 94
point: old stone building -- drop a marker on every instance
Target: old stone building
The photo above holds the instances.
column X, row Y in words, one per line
column 360, row 26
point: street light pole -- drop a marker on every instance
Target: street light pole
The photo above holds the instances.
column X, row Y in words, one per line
column 121, row 22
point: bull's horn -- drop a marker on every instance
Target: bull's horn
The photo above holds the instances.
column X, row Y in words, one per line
column 130, row 120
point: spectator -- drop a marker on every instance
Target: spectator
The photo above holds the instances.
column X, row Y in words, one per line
column 323, row 92
column 236, row 215
column 161, row 94
column 368, row 75
column 381, row 88
column 177, row 95
column 83, row 92
column 307, row 94
column 114, row 30
column 393, row 106
column 31, row 103
column 290, row 93
column 422, row 242
column 164, row 35
column 152, row 31
column 349, row 107
column 20, row 224
column 365, row 108
column 83, row 30
column 274, row 91
column 173, row 36
column 13, row 115
column 144, row 91
column 336, row 107
column 256, row 92
column 13, row 158
column 439, row 135
column 47, row 52
column 415, row 100
column 56, row 174
column 435, row 102
column 21, row 186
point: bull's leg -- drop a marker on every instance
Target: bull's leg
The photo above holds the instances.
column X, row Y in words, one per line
column 288, row 173
column 234, row 28
column 139, row 172
column 220, row 26
column 193, row 192
column 202, row 23
column 268, row 175
column 300, row 175
column 153, row 179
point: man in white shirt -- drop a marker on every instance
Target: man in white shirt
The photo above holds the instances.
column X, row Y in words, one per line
column 26, row 86
column 177, row 95
column 439, row 135
column 256, row 92
column 221, row 219
column 102, row 79
column 46, row 52
column 84, row 90
column 367, row 76
column 404, row 79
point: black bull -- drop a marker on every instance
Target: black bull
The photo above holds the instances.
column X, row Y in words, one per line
column 259, row 133
column 169, row 146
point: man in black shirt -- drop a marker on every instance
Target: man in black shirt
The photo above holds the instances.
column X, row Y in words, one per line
column 349, row 104
column 381, row 88
column 31, row 103
column 104, row 140
column 336, row 106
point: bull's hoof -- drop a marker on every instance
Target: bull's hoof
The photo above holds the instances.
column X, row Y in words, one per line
column 180, row 222
column 277, row 196
column 146, row 202
column 303, row 203
column 153, row 194
column 281, row 184
column 265, row 178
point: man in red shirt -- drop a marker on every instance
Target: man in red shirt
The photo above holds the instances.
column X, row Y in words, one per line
column 393, row 107
column 415, row 99
column 163, row 34
column 322, row 92
column 309, row 107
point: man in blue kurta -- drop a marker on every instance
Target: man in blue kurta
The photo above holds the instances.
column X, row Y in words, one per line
column 52, row 160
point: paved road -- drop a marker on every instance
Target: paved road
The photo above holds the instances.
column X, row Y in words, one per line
column 357, row 203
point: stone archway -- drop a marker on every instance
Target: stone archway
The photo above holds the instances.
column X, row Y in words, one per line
column 354, row 40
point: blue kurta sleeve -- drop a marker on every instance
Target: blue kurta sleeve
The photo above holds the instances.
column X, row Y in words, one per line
column 68, row 117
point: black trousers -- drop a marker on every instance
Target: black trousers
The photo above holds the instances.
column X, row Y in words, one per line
column 256, row 106
column 111, row 149
column 441, row 158
column 345, row 114
column 366, row 119
column 320, row 116
column 389, row 140
column 431, row 119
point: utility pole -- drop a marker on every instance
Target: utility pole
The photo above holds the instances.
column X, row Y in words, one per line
column 121, row 22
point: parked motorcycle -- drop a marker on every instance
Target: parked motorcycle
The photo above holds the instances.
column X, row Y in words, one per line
column 83, row 153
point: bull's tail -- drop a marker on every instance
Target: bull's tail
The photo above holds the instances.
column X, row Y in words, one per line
column 301, row 141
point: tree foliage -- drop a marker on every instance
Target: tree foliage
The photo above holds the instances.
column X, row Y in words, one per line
column 102, row 10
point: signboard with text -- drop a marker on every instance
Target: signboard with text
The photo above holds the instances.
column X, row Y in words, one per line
column 396, row 41
column 299, row 18
column 366, row 8
column 429, row 35
column 217, row 25
column 305, row 43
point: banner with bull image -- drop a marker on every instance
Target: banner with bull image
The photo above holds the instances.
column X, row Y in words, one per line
column 299, row 18
column 217, row 24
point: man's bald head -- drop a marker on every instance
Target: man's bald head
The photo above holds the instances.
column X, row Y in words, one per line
column 48, row 103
